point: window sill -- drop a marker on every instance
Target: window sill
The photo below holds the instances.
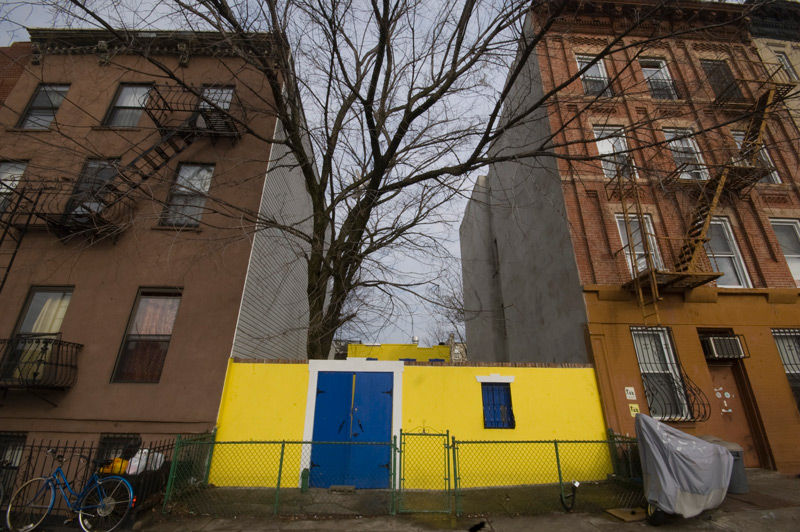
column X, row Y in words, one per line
column 21, row 130
column 177, row 228
column 115, row 128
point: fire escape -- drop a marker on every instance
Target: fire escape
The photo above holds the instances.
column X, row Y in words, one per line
column 101, row 208
column 736, row 177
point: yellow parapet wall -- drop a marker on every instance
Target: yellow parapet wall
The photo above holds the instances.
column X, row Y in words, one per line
column 267, row 403
column 399, row 352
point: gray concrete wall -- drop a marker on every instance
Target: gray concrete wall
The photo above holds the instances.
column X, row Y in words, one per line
column 273, row 320
column 537, row 280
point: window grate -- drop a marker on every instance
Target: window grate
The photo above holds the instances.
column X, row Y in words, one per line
column 788, row 342
column 671, row 394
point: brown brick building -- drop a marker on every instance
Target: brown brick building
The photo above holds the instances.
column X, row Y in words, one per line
column 135, row 261
column 662, row 243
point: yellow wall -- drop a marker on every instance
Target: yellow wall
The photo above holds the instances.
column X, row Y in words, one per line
column 260, row 403
column 398, row 351
column 267, row 402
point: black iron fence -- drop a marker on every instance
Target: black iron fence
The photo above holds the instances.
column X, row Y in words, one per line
column 145, row 465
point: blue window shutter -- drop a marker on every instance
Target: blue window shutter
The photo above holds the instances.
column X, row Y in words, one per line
column 497, row 411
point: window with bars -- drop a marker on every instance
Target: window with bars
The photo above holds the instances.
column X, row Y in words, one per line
column 114, row 445
column 788, row 341
column 43, row 106
column 721, row 79
column 595, row 80
column 661, row 374
column 497, row 410
column 686, row 154
column 12, row 445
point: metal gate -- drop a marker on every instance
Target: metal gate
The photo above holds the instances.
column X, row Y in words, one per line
column 424, row 484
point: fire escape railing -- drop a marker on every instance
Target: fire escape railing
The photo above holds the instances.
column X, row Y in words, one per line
column 38, row 362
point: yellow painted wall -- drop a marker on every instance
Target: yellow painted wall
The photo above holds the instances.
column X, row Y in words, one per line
column 548, row 404
column 267, row 402
column 260, row 403
column 398, row 351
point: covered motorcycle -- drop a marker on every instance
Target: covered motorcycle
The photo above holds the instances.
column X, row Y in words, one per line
column 682, row 474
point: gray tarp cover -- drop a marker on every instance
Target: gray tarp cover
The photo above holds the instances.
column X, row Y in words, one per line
column 682, row 474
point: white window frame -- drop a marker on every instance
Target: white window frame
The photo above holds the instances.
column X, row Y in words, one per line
column 10, row 175
column 786, row 64
column 792, row 259
column 638, row 247
column 734, row 255
column 681, row 143
column 608, row 139
column 44, row 105
column 120, row 105
column 763, row 154
column 600, row 74
column 658, row 74
column 188, row 195
column 662, row 361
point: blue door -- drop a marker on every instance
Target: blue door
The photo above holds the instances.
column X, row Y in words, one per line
column 350, row 408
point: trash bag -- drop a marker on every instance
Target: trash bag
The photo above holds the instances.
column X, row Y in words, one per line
column 682, row 474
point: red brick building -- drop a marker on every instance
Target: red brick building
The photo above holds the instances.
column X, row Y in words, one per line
column 662, row 244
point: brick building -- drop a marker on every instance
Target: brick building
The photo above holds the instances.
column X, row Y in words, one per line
column 661, row 242
column 133, row 266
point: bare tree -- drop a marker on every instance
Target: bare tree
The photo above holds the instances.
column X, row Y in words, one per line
column 386, row 107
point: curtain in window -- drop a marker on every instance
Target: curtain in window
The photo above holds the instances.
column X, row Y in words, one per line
column 146, row 344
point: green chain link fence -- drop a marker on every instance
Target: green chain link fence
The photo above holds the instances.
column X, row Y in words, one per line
column 426, row 473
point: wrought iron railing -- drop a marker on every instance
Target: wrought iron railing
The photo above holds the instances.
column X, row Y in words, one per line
column 38, row 362
column 597, row 86
column 169, row 106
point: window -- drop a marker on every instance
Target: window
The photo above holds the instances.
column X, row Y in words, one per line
column 686, row 154
column 724, row 255
column 595, row 80
column 764, row 160
column 788, row 341
column 147, row 340
column 788, row 234
column 219, row 96
column 497, row 410
column 783, row 59
column 638, row 251
column 32, row 345
column 128, row 106
column 721, row 79
column 43, row 106
column 12, row 445
column 10, row 175
column 118, row 446
column 613, row 150
column 659, row 82
column 661, row 374
column 188, row 195
column 93, row 190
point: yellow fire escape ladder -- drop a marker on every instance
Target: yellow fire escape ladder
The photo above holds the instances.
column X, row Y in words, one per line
column 644, row 281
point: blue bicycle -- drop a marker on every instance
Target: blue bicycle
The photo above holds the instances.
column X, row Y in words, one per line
column 101, row 506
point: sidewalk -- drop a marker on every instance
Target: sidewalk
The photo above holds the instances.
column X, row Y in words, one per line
column 772, row 504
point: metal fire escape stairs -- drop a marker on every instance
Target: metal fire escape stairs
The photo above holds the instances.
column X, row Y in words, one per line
column 180, row 117
column 737, row 177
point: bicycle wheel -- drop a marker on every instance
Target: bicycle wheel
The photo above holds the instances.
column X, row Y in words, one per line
column 105, row 505
column 30, row 504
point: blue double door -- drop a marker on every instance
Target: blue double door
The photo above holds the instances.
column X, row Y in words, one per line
column 352, row 408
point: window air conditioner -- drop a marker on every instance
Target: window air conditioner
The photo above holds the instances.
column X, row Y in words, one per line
column 719, row 347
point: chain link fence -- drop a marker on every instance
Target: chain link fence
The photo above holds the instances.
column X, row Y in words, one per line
column 424, row 473
column 282, row 477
